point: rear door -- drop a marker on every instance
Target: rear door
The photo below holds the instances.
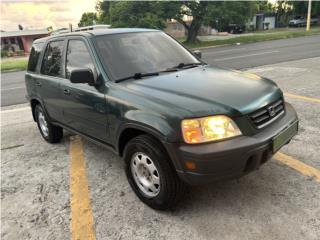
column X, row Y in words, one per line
column 32, row 69
column 48, row 81
column 84, row 106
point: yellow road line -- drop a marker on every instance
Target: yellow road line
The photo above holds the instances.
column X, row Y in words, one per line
column 81, row 212
column 299, row 166
column 309, row 99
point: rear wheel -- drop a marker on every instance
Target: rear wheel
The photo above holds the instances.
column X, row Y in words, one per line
column 150, row 174
column 49, row 132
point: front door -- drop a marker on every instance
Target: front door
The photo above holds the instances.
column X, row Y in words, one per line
column 84, row 106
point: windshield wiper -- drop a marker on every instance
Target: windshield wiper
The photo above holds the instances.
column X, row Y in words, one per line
column 141, row 75
column 186, row 65
column 137, row 76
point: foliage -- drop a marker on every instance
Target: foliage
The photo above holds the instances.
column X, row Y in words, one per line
column 198, row 10
column 301, row 8
column 286, row 10
column 221, row 14
column 4, row 53
column 155, row 14
column 87, row 19
column 131, row 14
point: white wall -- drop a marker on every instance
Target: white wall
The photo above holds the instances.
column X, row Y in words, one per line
column 271, row 20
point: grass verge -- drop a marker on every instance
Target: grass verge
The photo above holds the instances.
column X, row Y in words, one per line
column 13, row 64
column 258, row 37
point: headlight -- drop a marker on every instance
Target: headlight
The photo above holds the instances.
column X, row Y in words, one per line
column 207, row 129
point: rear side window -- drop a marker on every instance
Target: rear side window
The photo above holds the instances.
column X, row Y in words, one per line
column 78, row 56
column 52, row 60
column 34, row 56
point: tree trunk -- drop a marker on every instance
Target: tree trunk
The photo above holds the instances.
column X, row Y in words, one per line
column 193, row 31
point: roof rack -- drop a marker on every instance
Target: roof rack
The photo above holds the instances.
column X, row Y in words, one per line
column 87, row 28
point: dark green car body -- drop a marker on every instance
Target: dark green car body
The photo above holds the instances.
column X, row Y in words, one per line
column 112, row 113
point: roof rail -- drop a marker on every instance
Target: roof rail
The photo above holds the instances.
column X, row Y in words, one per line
column 87, row 28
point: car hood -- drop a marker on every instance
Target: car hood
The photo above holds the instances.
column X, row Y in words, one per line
column 208, row 90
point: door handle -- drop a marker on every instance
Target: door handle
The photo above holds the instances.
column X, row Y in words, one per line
column 38, row 84
column 66, row 92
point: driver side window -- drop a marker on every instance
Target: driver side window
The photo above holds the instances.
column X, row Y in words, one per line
column 78, row 56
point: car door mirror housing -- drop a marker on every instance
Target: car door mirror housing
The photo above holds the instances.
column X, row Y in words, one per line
column 83, row 75
column 197, row 53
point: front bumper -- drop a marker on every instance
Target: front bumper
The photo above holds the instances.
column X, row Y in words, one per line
column 230, row 158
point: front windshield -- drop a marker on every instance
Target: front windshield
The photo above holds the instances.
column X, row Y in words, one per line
column 140, row 52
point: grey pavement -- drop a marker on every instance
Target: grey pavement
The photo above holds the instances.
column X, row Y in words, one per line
column 275, row 202
column 237, row 57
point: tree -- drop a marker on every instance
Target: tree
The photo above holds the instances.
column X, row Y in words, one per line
column 191, row 14
column 301, row 8
column 131, row 14
column 221, row 14
column 87, row 19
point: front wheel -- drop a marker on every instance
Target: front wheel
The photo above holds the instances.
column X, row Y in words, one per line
column 49, row 132
column 150, row 174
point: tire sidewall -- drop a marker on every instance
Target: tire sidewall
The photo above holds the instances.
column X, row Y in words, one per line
column 137, row 146
column 40, row 109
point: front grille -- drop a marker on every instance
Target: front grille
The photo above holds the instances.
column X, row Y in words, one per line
column 266, row 115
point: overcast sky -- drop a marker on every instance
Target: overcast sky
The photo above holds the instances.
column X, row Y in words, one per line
column 40, row 14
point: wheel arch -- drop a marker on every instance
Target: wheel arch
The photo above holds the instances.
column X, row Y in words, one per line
column 132, row 130
column 33, row 103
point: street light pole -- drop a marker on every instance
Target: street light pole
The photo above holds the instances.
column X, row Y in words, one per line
column 309, row 16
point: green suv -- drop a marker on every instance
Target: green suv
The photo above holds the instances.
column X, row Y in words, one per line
column 174, row 119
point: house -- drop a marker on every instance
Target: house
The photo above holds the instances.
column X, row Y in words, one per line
column 263, row 21
column 177, row 30
column 20, row 41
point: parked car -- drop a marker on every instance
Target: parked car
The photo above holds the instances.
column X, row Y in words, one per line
column 235, row 28
column 300, row 21
column 173, row 119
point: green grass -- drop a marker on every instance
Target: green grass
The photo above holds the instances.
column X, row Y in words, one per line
column 13, row 64
column 256, row 37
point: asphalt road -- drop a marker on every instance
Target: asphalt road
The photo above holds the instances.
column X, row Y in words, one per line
column 262, row 53
column 236, row 56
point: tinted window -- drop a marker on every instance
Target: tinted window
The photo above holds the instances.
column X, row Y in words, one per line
column 78, row 56
column 52, row 61
column 129, row 53
column 34, row 56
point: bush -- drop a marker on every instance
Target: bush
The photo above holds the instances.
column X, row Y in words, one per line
column 4, row 53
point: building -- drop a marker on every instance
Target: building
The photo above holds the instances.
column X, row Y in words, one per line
column 177, row 30
column 263, row 21
column 20, row 41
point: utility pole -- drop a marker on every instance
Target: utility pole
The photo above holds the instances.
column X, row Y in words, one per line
column 309, row 16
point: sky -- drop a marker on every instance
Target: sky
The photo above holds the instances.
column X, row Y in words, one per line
column 40, row 14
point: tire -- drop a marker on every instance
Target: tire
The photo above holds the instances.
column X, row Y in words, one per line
column 170, row 188
column 51, row 134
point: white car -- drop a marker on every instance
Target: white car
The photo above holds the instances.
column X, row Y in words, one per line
column 300, row 21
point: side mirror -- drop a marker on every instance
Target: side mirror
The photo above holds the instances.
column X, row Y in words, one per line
column 83, row 75
column 197, row 53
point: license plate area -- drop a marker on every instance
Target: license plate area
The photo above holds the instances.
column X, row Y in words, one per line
column 283, row 137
